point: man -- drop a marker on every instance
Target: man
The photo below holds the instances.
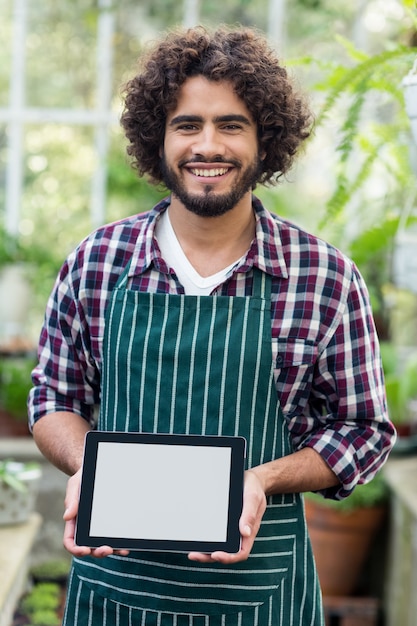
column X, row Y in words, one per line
column 209, row 315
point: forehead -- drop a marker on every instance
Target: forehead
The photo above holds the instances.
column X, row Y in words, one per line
column 209, row 99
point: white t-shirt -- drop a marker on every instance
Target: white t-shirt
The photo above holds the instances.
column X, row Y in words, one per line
column 173, row 254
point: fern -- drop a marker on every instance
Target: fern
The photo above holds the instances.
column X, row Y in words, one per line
column 350, row 126
column 361, row 77
column 345, row 188
column 356, row 55
column 348, row 94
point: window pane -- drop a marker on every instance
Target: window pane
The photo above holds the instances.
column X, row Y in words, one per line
column 61, row 54
column 5, row 51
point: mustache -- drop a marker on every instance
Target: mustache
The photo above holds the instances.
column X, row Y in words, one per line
column 199, row 158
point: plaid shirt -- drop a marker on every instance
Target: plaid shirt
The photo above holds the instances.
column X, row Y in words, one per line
column 324, row 346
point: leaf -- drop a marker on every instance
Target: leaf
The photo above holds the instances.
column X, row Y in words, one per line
column 353, row 52
column 408, row 387
column 360, row 77
column 14, row 483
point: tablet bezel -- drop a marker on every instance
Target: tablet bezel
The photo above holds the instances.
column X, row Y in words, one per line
column 93, row 439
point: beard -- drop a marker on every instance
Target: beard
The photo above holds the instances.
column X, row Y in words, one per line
column 208, row 203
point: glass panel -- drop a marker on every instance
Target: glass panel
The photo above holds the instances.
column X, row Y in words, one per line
column 3, row 158
column 59, row 163
column 61, row 54
column 5, row 51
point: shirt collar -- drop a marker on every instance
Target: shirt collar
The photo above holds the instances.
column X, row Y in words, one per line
column 265, row 252
column 146, row 255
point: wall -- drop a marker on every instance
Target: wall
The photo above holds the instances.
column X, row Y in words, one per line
column 401, row 573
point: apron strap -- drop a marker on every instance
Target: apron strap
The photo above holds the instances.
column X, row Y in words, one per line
column 123, row 278
column 261, row 286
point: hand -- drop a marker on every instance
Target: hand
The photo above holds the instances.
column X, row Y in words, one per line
column 70, row 516
column 254, row 505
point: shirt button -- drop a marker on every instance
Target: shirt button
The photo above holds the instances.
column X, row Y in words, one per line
column 280, row 360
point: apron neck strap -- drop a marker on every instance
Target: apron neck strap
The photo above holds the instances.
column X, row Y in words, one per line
column 261, row 286
column 124, row 276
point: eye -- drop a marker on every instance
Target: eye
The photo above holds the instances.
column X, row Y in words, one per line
column 231, row 127
column 187, row 128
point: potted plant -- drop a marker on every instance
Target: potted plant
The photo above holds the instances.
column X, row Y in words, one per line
column 44, row 603
column 18, row 490
column 342, row 533
column 52, row 571
column 42, row 606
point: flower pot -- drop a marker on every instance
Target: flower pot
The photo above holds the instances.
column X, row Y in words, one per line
column 11, row 426
column 16, row 505
column 341, row 542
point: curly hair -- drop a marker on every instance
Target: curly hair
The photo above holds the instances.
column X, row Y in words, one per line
column 241, row 56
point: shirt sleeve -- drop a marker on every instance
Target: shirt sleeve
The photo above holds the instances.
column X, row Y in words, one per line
column 345, row 417
column 66, row 377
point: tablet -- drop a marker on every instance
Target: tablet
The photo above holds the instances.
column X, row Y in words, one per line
column 173, row 493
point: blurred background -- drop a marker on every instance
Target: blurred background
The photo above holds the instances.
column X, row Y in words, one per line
column 63, row 172
column 63, row 169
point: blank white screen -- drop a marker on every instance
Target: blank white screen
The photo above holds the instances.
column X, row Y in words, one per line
column 163, row 492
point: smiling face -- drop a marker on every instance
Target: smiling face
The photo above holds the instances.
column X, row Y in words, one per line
column 210, row 159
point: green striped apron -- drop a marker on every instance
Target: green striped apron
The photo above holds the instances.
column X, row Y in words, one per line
column 199, row 365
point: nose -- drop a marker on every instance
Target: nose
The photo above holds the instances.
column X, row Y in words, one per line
column 208, row 143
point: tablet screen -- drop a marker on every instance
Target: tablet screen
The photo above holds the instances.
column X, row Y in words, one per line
column 161, row 492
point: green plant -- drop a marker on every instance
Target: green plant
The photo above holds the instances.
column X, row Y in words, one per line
column 366, row 95
column 363, row 109
column 9, row 248
column 13, row 473
column 400, row 382
column 41, row 262
column 41, row 605
column 15, row 383
column 374, row 493
column 50, row 571
column 45, row 617
column 14, row 249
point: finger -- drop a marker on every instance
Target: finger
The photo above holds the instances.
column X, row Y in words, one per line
column 70, row 512
column 72, row 496
column 69, row 543
column 200, row 557
column 223, row 557
column 103, row 551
